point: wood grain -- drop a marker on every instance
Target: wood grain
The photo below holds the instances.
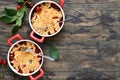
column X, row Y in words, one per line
column 89, row 44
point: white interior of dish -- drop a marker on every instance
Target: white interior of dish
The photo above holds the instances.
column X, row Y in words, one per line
column 30, row 14
column 12, row 68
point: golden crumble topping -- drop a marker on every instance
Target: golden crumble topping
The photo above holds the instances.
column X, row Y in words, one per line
column 46, row 22
column 25, row 62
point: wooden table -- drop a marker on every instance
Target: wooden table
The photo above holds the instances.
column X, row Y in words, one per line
column 89, row 44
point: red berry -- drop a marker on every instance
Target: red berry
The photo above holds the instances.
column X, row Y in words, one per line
column 19, row 7
column 38, row 9
column 4, row 62
column 0, row 61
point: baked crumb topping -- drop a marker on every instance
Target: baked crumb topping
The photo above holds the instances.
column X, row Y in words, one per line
column 25, row 62
column 46, row 22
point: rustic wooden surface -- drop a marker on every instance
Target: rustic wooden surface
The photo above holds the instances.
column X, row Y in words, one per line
column 89, row 44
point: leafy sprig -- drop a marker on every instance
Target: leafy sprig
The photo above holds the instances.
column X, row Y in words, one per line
column 15, row 16
column 19, row 17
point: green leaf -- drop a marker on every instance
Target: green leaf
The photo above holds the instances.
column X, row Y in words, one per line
column 19, row 22
column 15, row 29
column 9, row 12
column 54, row 53
column 20, row 1
column 20, row 18
column 7, row 19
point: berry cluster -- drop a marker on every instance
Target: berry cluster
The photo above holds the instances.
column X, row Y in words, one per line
column 4, row 62
column 28, row 3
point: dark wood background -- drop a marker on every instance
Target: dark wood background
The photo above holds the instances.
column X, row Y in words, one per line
column 89, row 44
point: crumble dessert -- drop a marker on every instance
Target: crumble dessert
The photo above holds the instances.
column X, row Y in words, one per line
column 25, row 62
column 47, row 20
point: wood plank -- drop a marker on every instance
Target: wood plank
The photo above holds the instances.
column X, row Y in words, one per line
column 89, row 44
